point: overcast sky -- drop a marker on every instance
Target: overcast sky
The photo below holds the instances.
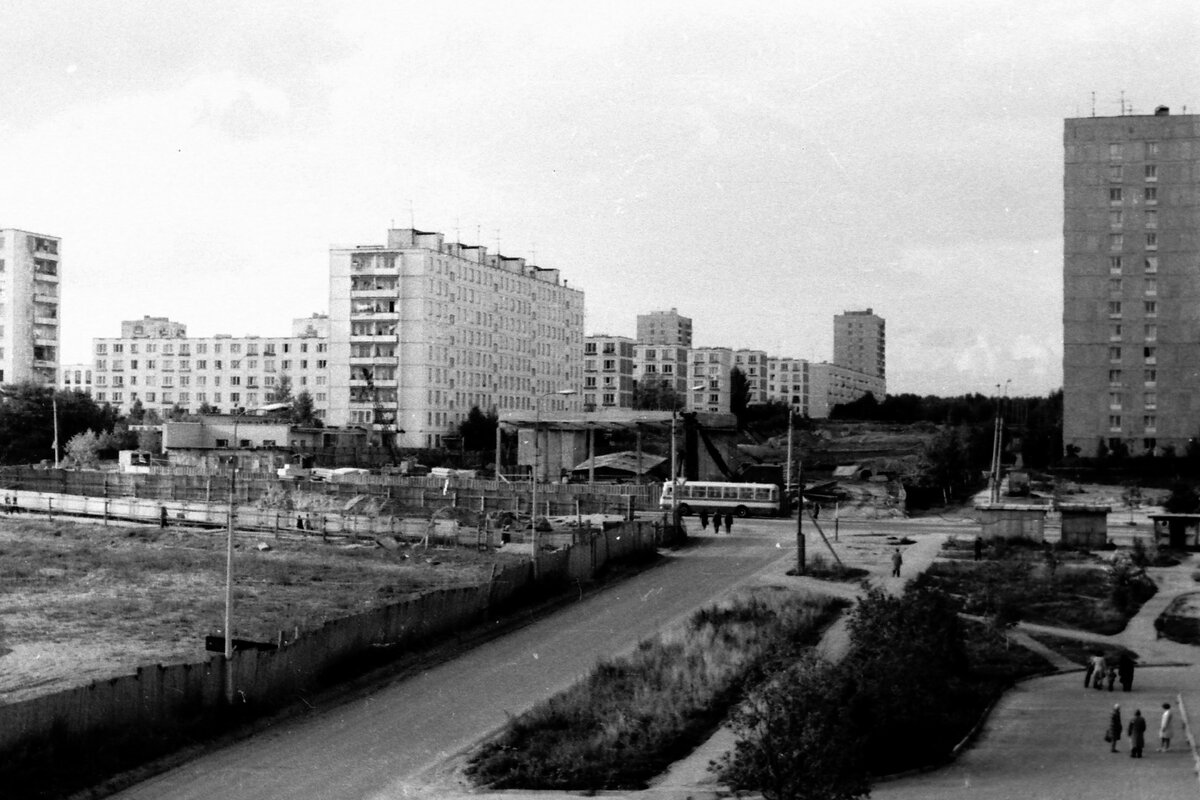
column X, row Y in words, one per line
column 759, row 166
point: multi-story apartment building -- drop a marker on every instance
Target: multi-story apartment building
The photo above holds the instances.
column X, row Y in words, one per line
column 788, row 382
column 754, row 366
column 607, row 372
column 860, row 343
column 154, row 361
column 30, row 275
column 1131, row 282
column 834, row 384
column 663, row 370
column 422, row 330
column 664, row 327
column 712, row 367
column 75, row 378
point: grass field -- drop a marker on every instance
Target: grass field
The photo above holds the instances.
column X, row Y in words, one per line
column 80, row 602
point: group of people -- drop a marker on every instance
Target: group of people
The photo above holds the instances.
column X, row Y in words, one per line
column 1101, row 672
column 716, row 520
column 1137, row 730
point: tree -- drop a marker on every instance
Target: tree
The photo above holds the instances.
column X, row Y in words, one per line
column 27, row 421
column 303, row 413
column 795, row 741
column 478, row 430
column 282, row 391
column 739, row 394
column 1182, row 500
column 656, row 395
column 205, row 408
column 137, row 412
column 82, row 448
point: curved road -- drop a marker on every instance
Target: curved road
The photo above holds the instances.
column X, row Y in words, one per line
column 391, row 742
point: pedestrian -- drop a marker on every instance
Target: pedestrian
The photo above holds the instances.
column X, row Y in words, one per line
column 1111, row 675
column 703, row 519
column 1100, row 667
column 162, row 516
column 979, row 554
column 716, row 520
column 1125, row 670
column 1166, row 729
column 1137, row 734
column 897, row 560
column 299, row 522
column 1114, row 727
column 1088, row 672
column 728, row 522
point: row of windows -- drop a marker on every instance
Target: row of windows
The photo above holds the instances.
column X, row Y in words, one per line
column 201, row 380
column 1149, row 377
column 1149, row 422
column 1116, row 150
column 1116, row 241
column 1116, row 195
column 202, row 348
column 1150, row 354
column 1149, row 400
column 1149, row 308
column 1116, row 264
column 118, row 364
column 1116, row 286
column 1116, row 218
column 1116, row 331
column 103, row 396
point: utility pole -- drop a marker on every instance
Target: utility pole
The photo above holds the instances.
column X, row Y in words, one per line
column 800, row 559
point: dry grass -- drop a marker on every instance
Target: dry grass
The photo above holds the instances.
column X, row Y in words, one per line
column 81, row 601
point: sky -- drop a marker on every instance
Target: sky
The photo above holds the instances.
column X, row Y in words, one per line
column 760, row 167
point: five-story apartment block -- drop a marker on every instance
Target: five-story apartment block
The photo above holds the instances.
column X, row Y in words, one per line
column 607, row 372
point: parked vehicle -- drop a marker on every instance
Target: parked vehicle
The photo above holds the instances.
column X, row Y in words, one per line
column 743, row 499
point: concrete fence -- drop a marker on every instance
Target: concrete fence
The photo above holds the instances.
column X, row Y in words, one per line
column 401, row 494
column 161, row 703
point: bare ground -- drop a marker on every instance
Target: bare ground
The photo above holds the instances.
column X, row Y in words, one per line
column 83, row 602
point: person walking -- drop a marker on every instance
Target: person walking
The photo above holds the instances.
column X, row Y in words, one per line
column 716, row 521
column 1114, row 728
column 979, row 552
column 1099, row 667
column 703, row 519
column 1166, row 728
column 1111, row 675
column 897, row 561
column 1089, row 672
column 1125, row 670
column 1137, row 734
column 728, row 522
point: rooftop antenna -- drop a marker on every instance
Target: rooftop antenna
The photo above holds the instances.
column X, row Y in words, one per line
column 478, row 236
column 497, row 242
column 1122, row 102
column 1093, row 104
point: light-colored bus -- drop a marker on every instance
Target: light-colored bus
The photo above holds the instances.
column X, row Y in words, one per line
column 743, row 499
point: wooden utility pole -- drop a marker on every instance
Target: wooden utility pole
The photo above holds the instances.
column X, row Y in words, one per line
column 800, row 566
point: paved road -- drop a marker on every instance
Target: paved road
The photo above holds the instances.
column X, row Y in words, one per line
column 390, row 743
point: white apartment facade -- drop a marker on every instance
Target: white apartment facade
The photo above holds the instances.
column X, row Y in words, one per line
column 422, row 330
column 835, row 384
column 710, row 366
column 665, row 328
column 789, row 382
column 75, row 378
column 754, row 366
column 860, row 344
column 155, row 362
column 663, row 366
column 608, row 363
column 30, row 276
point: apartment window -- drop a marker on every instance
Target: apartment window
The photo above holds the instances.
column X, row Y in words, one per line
column 1150, row 377
column 1151, row 285
column 321, row 363
column 1150, row 400
column 1114, row 194
column 1114, row 333
column 1114, row 422
column 1114, row 152
column 1114, row 172
column 1151, row 263
column 1114, row 265
column 149, row 365
column 1150, row 354
column 286, row 364
column 1114, row 376
column 610, row 364
column 235, row 380
column 235, row 348
column 1114, row 286
column 714, row 398
column 101, row 349
column 1116, row 219
column 1151, row 218
column 1114, row 354
column 1151, row 333
column 1151, row 308
column 589, row 382
column 235, row 397
column 1114, row 400
column 1150, row 194
column 1114, row 308
column 1151, row 149
column 1151, row 172
column 133, row 363
column 151, row 348
column 1150, row 422
column 118, row 348
column 201, row 347
column 1116, row 241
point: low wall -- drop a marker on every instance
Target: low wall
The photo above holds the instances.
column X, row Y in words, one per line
column 404, row 494
column 160, row 702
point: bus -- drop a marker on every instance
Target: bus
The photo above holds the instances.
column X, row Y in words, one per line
column 743, row 499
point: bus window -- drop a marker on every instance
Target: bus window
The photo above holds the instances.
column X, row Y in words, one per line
column 698, row 492
column 762, row 493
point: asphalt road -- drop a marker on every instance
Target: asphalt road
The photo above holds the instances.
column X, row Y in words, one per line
column 392, row 742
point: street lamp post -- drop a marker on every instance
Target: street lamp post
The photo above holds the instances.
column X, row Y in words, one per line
column 229, row 567
column 537, row 424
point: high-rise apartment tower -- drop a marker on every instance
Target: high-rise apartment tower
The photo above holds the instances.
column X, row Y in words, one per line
column 1131, row 282
column 30, row 271
column 860, row 343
